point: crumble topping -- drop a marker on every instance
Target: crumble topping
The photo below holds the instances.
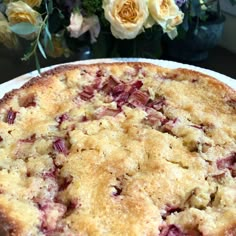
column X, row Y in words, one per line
column 119, row 149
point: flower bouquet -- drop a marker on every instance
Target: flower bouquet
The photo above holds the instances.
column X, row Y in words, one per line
column 200, row 31
column 102, row 28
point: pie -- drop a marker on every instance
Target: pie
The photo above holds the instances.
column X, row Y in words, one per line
column 118, row 149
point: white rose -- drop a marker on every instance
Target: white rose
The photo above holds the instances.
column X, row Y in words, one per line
column 167, row 14
column 127, row 17
column 79, row 25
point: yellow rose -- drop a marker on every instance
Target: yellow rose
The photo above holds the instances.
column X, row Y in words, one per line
column 167, row 14
column 19, row 11
column 33, row 3
column 8, row 38
column 127, row 17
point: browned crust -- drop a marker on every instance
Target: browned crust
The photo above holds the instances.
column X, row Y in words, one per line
column 43, row 78
column 211, row 80
column 7, row 226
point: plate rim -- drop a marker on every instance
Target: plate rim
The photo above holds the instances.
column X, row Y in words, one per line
column 17, row 82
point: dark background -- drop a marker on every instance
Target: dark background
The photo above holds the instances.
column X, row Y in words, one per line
column 220, row 60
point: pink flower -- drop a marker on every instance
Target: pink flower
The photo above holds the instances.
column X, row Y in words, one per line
column 74, row 28
column 80, row 25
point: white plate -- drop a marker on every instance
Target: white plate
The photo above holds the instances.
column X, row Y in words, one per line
column 19, row 81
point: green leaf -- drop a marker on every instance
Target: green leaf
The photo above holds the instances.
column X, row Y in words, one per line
column 50, row 6
column 25, row 57
column 61, row 14
column 23, row 28
column 28, row 53
column 41, row 50
column 47, row 39
column 47, row 42
column 37, row 63
column 48, row 32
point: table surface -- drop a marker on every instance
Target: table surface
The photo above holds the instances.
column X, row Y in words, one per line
column 219, row 60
